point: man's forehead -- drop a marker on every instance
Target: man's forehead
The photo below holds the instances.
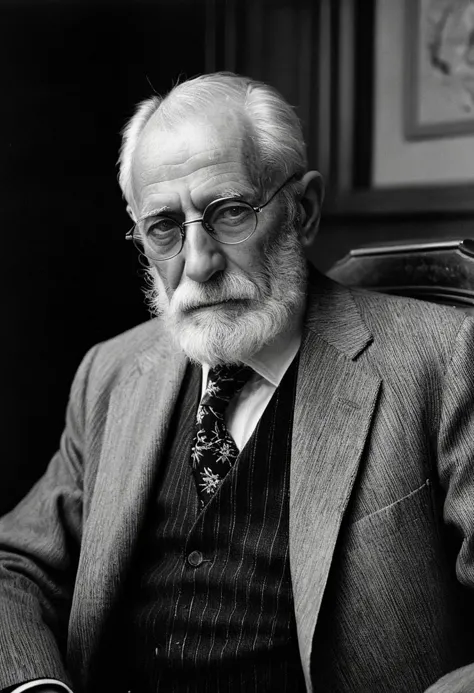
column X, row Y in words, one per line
column 209, row 133
column 163, row 154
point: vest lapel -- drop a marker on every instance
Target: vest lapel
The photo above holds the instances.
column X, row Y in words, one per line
column 138, row 417
column 335, row 401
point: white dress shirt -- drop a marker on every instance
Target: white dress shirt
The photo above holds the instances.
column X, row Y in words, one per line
column 270, row 365
column 242, row 415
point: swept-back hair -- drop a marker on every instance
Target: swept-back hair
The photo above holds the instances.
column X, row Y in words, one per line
column 275, row 149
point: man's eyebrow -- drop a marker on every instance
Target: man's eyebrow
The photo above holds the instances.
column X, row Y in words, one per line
column 229, row 192
column 155, row 211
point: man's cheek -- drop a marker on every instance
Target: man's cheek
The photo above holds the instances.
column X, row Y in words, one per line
column 164, row 282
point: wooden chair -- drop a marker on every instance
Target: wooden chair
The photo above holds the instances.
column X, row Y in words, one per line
column 441, row 272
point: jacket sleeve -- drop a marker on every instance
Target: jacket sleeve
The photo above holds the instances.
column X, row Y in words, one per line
column 456, row 470
column 456, row 449
column 39, row 548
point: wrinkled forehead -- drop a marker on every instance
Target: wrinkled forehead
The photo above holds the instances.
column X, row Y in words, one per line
column 196, row 142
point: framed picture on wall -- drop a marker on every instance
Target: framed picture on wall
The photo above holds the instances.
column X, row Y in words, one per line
column 386, row 159
column 439, row 68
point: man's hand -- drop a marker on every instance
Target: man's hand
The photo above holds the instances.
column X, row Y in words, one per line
column 459, row 681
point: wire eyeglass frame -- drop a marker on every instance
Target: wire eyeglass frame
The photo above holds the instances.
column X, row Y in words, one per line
column 139, row 243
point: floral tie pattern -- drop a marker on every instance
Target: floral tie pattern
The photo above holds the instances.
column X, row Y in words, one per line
column 213, row 450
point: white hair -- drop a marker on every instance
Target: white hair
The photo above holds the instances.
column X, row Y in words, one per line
column 276, row 145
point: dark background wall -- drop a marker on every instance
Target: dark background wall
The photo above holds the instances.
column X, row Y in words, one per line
column 70, row 73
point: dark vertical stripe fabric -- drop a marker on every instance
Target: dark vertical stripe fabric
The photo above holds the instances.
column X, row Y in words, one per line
column 211, row 606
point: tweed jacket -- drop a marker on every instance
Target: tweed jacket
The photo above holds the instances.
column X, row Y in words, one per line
column 381, row 500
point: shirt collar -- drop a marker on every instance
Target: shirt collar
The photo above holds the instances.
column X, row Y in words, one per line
column 273, row 360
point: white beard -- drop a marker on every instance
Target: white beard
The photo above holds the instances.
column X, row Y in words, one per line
column 252, row 311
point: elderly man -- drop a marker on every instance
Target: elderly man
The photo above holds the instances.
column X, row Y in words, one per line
column 270, row 486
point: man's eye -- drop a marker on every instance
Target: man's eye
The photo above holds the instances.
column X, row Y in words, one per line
column 161, row 227
column 232, row 214
column 235, row 211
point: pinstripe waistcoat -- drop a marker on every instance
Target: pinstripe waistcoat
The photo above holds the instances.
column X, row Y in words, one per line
column 225, row 621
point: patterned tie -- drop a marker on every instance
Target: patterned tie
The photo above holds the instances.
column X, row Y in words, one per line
column 214, row 451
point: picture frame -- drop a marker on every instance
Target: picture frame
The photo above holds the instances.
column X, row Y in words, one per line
column 439, row 68
column 352, row 191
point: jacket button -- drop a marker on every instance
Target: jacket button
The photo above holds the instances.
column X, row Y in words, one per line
column 195, row 559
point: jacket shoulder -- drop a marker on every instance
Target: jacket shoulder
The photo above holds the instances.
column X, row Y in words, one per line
column 410, row 324
column 118, row 358
column 389, row 308
column 134, row 341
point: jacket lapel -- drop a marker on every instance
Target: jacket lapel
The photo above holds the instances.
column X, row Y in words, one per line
column 335, row 401
column 138, row 418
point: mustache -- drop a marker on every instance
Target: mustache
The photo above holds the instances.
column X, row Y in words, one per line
column 220, row 288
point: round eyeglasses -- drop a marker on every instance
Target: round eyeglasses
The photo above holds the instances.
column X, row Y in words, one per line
column 228, row 220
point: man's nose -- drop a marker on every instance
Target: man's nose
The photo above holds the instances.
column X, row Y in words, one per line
column 203, row 255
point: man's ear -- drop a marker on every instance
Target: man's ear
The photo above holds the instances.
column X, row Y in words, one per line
column 131, row 214
column 311, row 200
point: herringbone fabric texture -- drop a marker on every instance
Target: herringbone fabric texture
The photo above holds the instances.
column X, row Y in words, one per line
column 214, row 450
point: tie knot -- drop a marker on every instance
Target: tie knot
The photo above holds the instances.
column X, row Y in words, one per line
column 223, row 383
